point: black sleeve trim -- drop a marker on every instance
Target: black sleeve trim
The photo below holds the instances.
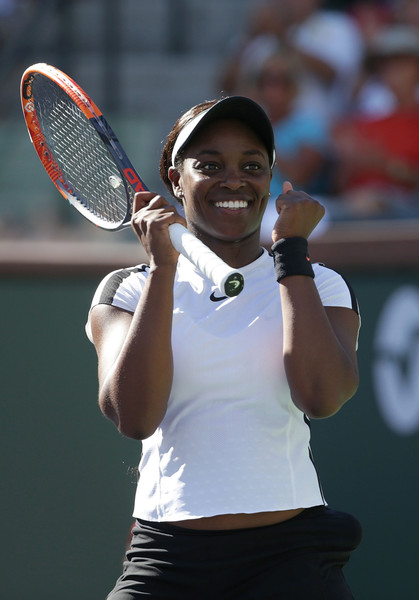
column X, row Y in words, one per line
column 110, row 288
column 354, row 301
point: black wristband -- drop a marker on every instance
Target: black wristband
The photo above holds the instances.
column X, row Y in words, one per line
column 291, row 258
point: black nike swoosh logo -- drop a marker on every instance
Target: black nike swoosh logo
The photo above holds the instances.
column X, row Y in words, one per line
column 215, row 298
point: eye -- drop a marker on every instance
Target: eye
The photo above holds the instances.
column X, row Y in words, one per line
column 208, row 166
column 252, row 166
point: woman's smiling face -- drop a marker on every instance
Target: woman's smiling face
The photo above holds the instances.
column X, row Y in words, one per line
column 225, row 179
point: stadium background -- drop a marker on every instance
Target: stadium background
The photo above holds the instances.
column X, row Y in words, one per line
column 68, row 478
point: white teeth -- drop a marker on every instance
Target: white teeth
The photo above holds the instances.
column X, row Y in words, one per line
column 232, row 204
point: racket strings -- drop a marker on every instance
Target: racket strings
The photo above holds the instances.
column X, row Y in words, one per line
column 78, row 150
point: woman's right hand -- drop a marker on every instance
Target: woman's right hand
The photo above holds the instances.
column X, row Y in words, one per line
column 151, row 217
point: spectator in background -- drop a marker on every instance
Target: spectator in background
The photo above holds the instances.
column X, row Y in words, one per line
column 370, row 96
column 378, row 157
column 330, row 46
column 300, row 136
column 260, row 39
column 371, row 16
column 407, row 12
column 327, row 44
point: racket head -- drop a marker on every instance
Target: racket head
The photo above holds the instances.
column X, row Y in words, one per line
column 78, row 148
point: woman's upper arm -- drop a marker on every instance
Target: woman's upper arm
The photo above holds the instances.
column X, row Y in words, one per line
column 109, row 326
column 345, row 323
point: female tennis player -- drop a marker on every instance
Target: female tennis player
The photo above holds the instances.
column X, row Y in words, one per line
column 221, row 390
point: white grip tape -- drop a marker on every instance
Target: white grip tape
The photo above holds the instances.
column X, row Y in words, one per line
column 202, row 257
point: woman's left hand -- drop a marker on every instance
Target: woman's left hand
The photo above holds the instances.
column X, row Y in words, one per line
column 298, row 214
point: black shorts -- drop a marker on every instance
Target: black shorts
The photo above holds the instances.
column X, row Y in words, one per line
column 299, row 559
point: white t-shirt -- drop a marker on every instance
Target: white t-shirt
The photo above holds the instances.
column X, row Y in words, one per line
column 231, row 441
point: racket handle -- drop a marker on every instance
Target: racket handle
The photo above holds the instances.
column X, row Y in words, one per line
column 229, row 281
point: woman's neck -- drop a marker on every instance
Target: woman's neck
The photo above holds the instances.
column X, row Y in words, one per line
column 235, row 253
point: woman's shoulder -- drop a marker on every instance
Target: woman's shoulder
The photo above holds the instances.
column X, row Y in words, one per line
column 334, row 289
column 121, row 285
column 120, row 288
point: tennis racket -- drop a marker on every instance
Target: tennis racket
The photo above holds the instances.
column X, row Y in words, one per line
column 88, row 165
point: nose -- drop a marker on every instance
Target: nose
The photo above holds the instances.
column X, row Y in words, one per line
column 232, row 179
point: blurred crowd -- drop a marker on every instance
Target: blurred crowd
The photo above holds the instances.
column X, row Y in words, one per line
column 342, row 90
column 10, row 12
column 340, row 82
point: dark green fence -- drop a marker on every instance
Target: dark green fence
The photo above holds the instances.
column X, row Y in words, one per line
column 68, row 477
